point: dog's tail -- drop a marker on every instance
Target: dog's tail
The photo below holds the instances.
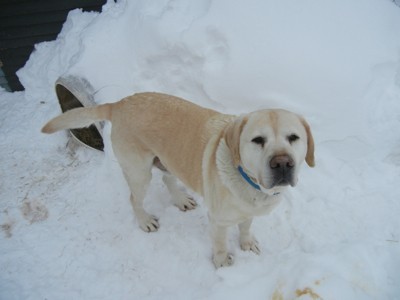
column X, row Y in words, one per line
column 79, row 118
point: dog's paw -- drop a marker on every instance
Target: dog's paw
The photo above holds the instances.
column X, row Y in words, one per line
column 149, row 223
column 185, row 202
column 250, row 244
column 223, row 260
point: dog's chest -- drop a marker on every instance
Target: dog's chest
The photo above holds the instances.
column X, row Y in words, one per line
column 257, row 205
column 235, row 210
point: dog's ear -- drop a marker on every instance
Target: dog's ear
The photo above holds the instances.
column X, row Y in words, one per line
column 232, row 137
column 310, row 143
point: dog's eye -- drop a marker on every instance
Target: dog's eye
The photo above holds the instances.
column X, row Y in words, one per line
column 292, row 138
column 259, row 140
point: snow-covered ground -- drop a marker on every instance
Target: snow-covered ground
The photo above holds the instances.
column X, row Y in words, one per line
column 67, row 227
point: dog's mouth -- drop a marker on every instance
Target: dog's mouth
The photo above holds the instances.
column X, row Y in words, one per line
column 281, row 179
column 282, row 182
column 281, row 171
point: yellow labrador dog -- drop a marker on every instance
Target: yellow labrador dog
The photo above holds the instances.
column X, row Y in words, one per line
column 239, row 164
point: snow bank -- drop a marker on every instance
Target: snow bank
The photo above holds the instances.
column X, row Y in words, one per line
column 67, row 226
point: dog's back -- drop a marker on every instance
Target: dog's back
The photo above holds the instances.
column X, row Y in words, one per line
column 152, row 120
column 156, row 121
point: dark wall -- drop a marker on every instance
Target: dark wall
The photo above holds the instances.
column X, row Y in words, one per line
column 24, row 23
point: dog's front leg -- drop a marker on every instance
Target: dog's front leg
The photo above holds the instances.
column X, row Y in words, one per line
column 246, row 239
column 221, row 257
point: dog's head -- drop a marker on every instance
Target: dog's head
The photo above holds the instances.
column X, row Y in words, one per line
column 270, row 145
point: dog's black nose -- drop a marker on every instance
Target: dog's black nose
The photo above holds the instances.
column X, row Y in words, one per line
column 283, row 162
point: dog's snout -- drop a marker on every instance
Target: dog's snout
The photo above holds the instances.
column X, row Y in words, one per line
column 282, row 167
column 281, row 162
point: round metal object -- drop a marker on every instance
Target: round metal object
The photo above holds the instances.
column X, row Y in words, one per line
column 73, row 92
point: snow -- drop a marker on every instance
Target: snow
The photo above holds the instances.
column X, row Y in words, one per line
column 67, row 228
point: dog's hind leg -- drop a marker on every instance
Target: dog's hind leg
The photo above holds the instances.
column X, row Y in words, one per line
column 182, row 200
column 136, row 166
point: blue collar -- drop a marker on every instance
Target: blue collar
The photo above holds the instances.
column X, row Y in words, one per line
column 248, row 179
column 251, row 182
